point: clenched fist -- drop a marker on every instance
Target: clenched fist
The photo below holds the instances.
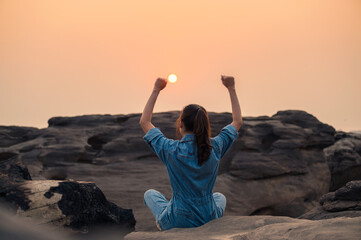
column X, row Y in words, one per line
column 160, row 83
column 228, row 81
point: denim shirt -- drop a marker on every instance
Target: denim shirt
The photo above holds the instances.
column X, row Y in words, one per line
column 192, row 202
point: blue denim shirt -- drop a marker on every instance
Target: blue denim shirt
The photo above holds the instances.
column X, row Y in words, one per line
column 192, row 202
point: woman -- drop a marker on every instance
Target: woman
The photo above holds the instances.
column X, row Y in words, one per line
column 192, row 163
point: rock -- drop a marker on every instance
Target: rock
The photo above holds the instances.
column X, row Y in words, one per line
column 345, row 198
column 344, row 202
column 323, row 134
column 11, row 135
column 12, row 171
column 280, row 145
column 262, row 227
column 318, row 213
column 7, row 155
column 16, row 173
column 344, row 159
column 352, row 191
column 236, row 227
column 12, row 196
column 81, row 206
column 55, row 174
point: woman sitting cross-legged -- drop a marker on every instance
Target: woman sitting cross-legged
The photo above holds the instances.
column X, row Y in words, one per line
column 192, row 162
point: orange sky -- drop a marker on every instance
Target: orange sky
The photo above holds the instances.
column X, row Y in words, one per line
column 75, row 57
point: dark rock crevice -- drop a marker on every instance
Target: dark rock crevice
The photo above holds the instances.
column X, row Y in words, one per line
column 7, row 155
column 268, row 140
column 121, row 119
column 263, row 211
column 97, row 142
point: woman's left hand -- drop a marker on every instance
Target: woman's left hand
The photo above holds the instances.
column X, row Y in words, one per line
column 160, row 84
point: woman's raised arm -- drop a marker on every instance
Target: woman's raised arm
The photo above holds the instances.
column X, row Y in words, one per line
column 228, row 82
column 145, row 119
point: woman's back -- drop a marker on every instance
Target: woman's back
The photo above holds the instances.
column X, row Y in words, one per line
column 192, row 203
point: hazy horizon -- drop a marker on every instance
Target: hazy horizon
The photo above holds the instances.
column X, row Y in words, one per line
column 79, row 57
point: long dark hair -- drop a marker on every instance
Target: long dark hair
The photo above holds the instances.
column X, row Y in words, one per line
column 195, row 119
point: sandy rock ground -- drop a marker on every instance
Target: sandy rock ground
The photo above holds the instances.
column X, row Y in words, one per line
column 262, row 227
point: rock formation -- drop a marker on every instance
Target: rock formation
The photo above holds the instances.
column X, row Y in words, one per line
column 80, row 206
column 344, row 159
column 279, row 165
column 344, row 202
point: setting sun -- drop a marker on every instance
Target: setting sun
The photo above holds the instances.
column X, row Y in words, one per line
column 172, row 78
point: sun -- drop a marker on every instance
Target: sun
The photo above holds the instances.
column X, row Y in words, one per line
column 172, row 78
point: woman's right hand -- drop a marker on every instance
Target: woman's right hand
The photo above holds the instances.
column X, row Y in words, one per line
column 228, row 81
column 160, row 84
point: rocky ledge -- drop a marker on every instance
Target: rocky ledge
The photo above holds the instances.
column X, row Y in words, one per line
column 262, row 227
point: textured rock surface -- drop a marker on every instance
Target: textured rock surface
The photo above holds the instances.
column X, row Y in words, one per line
column 344, row 202
column 12, row 196
column 344, row 159
column 262, row 227
column 80, row 206
column 276, row 166
column 319, row 213
column 11, row 135
column 226, row 228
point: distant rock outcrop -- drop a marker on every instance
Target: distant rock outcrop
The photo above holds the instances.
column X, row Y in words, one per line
column 344, row 159
column 11, row 135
